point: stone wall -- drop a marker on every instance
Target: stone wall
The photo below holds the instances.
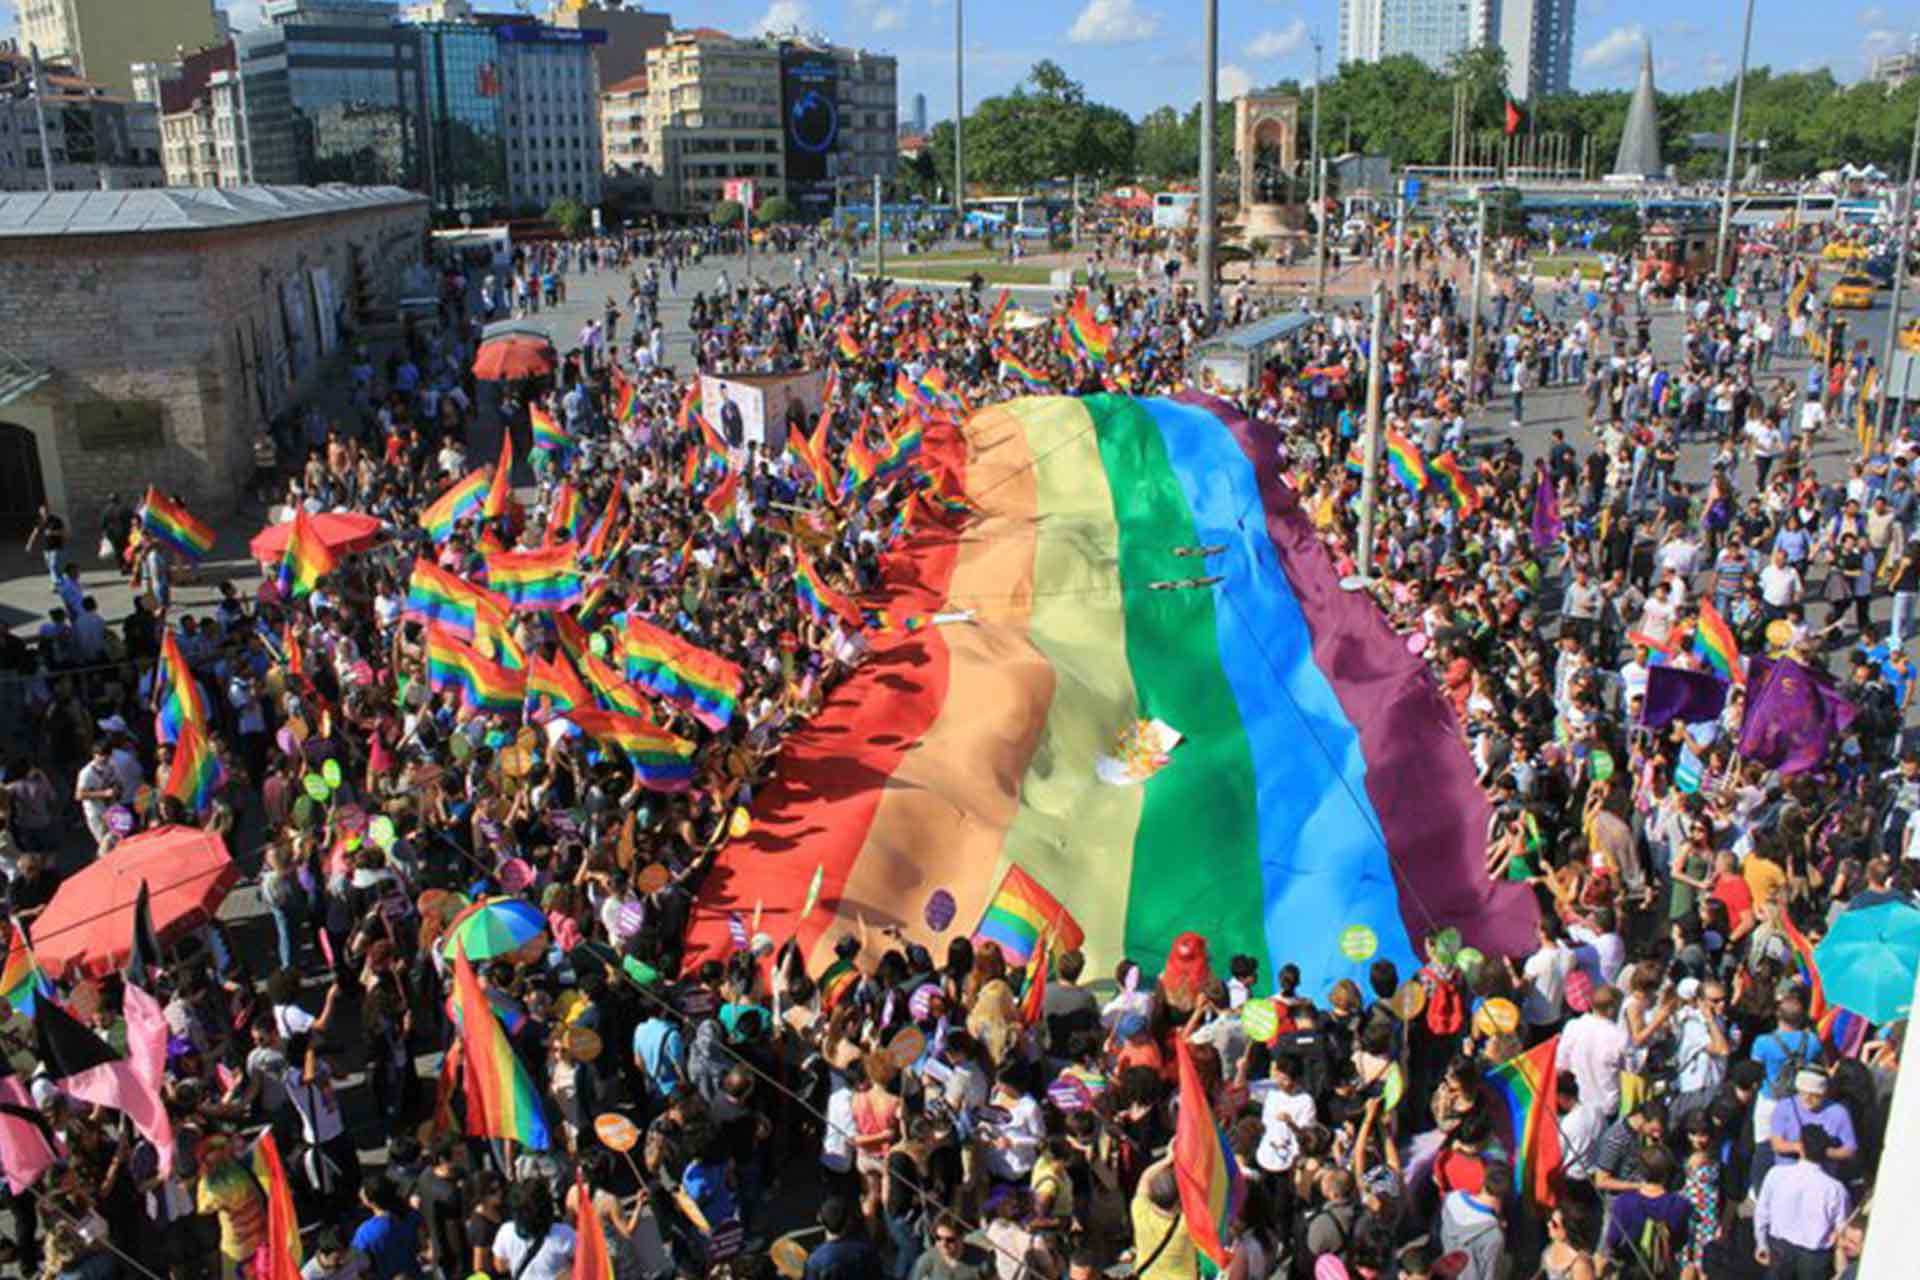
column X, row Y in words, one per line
column 188, row 323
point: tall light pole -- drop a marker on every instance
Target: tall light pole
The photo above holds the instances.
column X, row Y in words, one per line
column 1209, row 92
column 1733, row 150
column 1473, row 305
column 959, row 117
column 1904, row 196
column 1370, row 478
column 1319, row 191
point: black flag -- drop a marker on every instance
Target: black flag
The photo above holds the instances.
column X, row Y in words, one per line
column 65, row 1046
column 144, row 957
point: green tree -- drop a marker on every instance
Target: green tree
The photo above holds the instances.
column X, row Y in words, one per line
column 569, row 215
column 773, row 209
column 725, row 213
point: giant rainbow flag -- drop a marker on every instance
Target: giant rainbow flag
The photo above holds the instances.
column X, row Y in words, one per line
column 1321, row 792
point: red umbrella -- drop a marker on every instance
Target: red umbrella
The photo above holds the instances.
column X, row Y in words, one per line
column 342, row 531
column 514, row 355
column 88, row 927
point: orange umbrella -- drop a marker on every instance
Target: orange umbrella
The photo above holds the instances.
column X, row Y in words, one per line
column 343, row 532
column 88, row 927
column 514, row 355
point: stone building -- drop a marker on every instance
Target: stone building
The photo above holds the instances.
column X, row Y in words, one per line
column 169, row 327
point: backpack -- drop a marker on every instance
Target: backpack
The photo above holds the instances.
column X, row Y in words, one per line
column 1446, row 1011
column 1781, row 1086
column 1656, row 1249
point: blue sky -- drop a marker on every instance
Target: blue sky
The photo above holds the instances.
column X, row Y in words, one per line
column 1139, row 54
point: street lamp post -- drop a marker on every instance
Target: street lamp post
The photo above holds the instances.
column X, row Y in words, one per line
column 1904, row 196
column 1209, row 91
column 959, row 119
column 1370, row 479
column 1733, row 150
column 1319, row 192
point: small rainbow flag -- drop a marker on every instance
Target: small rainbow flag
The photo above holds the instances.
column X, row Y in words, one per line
column 1809, row 971
column 1091, row 338
column 500, row 487
column 999, row 310
column 846, row 344
column 601, row 535
column 660, row 760
column 906, row 392
column 821, row 600
column 1713, row 640
column 684, row 674
column 1528, row 1090
column 592, row 1260
column 557, row 682
column 1406, row 463
column 21, row 981
column 548, row 433
column 1021, row 911
column 281, row 1246
column 898, row 304
column 1844, row 1032
column 437, row 596
column 163, row 518
column 1204, row 1169
column 812, row 455
column 614, row 691
column 563, row 516
column 626, row 397
column 899, row 453
column 306, row 560
column 1451, row 479
column 181, row 700
column 195, row 772
column 483, row 684
column 546, row 578
column 861, row 462
column 1029, row 377
column 456, row 504
column 723, row 502
column 501, row 1099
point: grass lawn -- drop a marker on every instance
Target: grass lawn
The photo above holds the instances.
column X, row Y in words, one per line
column 1564, row 264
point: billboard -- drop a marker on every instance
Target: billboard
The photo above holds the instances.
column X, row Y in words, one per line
column 810, row 118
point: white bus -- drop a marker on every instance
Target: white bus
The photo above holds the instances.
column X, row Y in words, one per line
column 1174, row 210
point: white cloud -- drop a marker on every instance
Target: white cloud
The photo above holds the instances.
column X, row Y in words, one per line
column 1278, row 44
column 783, row 15
column 1871, row 16
column 1112, row 22
column 1234, row 81
column 881, row 16
column 1619, row 47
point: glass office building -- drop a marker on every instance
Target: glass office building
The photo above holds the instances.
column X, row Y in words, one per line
column 336, row 95
column 462, row 76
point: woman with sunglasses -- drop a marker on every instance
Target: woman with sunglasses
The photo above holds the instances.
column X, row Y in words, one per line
column 1569, row 1252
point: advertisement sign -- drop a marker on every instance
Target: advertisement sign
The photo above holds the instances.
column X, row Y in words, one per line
column 740, row 191
column 810, row 114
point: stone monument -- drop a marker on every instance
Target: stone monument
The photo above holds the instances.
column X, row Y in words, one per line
column 1265, row 126
column 1638, row 159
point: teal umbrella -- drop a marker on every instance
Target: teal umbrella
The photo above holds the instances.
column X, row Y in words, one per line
column 1868, row 959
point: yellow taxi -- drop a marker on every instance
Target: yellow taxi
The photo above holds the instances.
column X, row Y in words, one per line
column 1910, row 335
column 1843, row 251
column 1853, row 291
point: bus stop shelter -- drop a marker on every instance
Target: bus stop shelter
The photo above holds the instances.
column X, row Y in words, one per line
column 1232, row 361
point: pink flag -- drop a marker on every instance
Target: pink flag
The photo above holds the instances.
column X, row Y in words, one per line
column 25, row 1151
column 132, row 1085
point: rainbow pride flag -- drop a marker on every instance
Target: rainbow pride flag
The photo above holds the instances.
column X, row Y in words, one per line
column 1809, row 970
column 279, row 1254
column 861, row 462
column 1528, row 1089
column 181, row 698
column 704, row 683
column 563, row 516
column 306, row 560
column 722, row 504
column 662, row 761
column 614, row 691
column 600, row 537
column 1027, row 375
column 1713, row 640
column 195, row 772
column 557, row 682
column 500, row 485
column 460, row 501
column 169, row 522
column 897, row 304
column 1404, row 460
column 626, row 396
column 812, row 455
column 1451, row 479
column 999, row 310
column 436, row 596
column 1064, row 647
column 1089, row 337
column 1020, row 913
column 592, row 1260
column 906, row 392
column 819, row 599
column 501, row 1099
column 21, row 981
column 545, row 578
column 1204, row 1169
column 899, row 453
column 483, row 684
column 548, row 434
column 846, row 344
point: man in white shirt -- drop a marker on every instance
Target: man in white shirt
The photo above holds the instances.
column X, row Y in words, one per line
column 1015, row 1142
column 1780, row 584
column 1545, row 974
column 1593, row 1047
column 1286, row 1109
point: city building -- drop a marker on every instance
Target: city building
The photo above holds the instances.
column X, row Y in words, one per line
column 550, row 91
column 189, row 132
column 95, row 140
column 466, row 124
column 623, row 126
column 169, row 327
column 1537, row 36
column 631, row 33
column 1430, row 30
column 795, row 115
column 333, row 93
column 102, row 39
column 919, row 122
column 426, row 11
column 1895, row 69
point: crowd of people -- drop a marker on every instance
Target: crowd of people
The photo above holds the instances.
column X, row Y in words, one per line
column 914, row 1113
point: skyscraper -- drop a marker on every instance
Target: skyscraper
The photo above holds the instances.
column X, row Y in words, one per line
column 920, row 114
column 1430, row 30
column 102, row 39
column 1538, row 38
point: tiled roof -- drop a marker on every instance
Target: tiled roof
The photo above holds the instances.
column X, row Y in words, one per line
column 158, row 209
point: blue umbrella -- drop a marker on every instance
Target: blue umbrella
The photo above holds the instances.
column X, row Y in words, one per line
column 1868, row 959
